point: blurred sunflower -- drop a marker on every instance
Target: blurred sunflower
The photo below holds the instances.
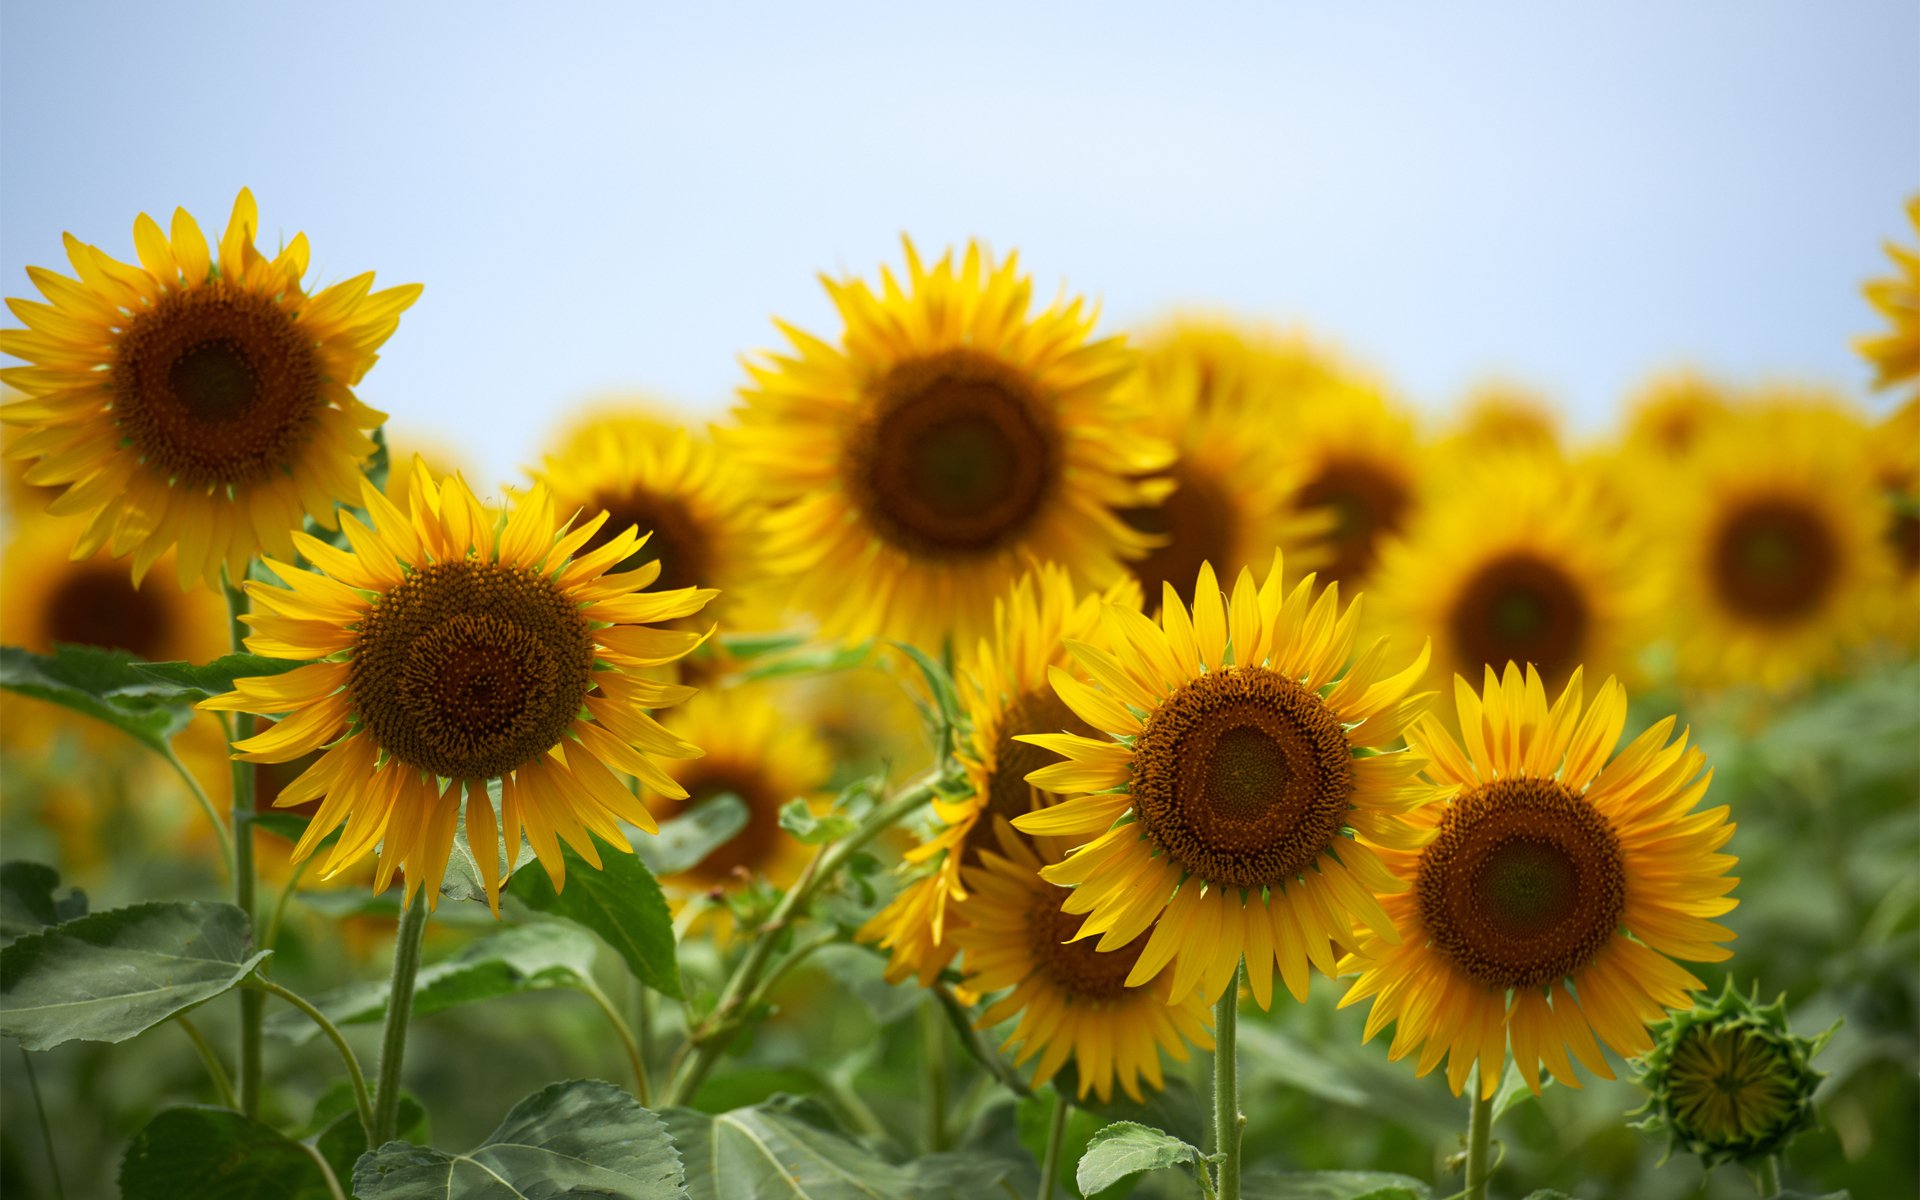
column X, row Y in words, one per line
column 463, row 644
column 1895, row 354
column 865, row 715
column 754, row 750
column 1243, row 791
column 1520, row 559
column 1263, row 373
column 193, row 404
column 1503, row 417
column 1668, row 416
column 1772, row 546
column 1895, row 447
column 1005, row 693
column 949, row 440
column 1552, row 890
column 1072, row 1000
column 1359, row 460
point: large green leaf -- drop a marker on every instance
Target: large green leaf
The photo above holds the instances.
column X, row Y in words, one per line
column 621, row 902
column 103, row 684
column 217, row 1154
column 191, row 683
column 109, row 976
column 686, row 839
column 527, row 958
column 27, row 900
column 1333, row 1185
column 582, row 1138
column 1126, row 1149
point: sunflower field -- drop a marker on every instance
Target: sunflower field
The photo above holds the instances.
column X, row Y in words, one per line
column 1006, row 755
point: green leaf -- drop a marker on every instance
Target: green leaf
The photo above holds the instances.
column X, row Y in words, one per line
column 102, row 684
column 27, row 902
column 939, row 682
column 744, row 646
column 798, row 819
column 582, row 1138
column 335, row 1130
column 462, row 880
column 1126, row 1149
column 815, row 660
column 1333, row 1185
column 686, row 839
column 1514, row 1091
column 109, row 976
column 192, row 683
column 621, row 902
column 380, row 463
column 217, row 1154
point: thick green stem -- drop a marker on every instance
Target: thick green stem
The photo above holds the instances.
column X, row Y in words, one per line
column 216, row 1074
column 642, row 1091
column 1056, row 1134
column 253, row 1004
column 1479, row 1140
column 361, row 1101
column 1227, row 1121
column 1765, row 1174
column 933, row 1052
column 393, row 1041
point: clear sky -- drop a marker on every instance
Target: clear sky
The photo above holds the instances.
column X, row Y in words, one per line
column 620, row 196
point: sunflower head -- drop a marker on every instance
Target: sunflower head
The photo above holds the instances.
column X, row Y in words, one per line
column 453, row 646
column 1730, row 1081
column 196, row 402
column 1234, row 365
column 1669, row 415
column 1895, row 352
column 1360, row 471
column 951, row 437
column 1505, row 417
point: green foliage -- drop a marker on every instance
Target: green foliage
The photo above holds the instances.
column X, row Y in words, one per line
column 798, row 819
column 193, row 683
column 217, row 1154
column 115, row 974
column 621, row 902
column 580, row 1138
column 1126, row 1149
column 1333, row 1185
column 808, row 659
column 103, row 684
column 686, row 839
column 336, row 1132
column 27, row 900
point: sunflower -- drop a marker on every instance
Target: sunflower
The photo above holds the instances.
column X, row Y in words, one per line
column 1772, row 546
column 1241, row 796
column 457, row 645
column 1670, row 413
column 1359, row 461
column 196, row 404
column 753, row 750
column 1504, row 417
column 1895, row 354
column 1072, row 1000
column 1895, row 448
column 1553, row 890
column 1521, row 559
column 1234, row 366
column 1005, row 693
column 949, row 440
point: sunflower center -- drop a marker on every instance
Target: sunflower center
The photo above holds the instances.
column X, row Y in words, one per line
column 958, row 458
column 1197, row 523
column 1774, row 561
column 753, row 847
column 1367, row 502
column 469, row 670
column 1009, row 794
column 1519, row 608
column 1523, row 885
column 96, row 604
column 1243, row 777
column 1076, row 968
column 1903, row 534
column 676, row 542
column 215, row 386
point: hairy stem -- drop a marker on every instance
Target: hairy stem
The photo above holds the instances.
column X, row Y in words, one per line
column 253, row 1003
column 361, row 1101
column 642, row 1091
column 933, row 1053
column 1227, row 1121
column 393, row 1040
column 1479, row 1139
column 1056, row 1134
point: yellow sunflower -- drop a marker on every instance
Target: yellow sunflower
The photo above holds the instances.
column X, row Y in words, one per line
column 1895, row 447
column 1772, row 546
column 1670, row 413
column 1552, row 891
column 952, row 438
column 1071, row 999
column 1521, row 559
column 1005, row 692
column 1895, row 354
column 753, row 750
column 196, row 404
column 1359, row 460
column 1260, row 372
column 1244, row 789
column 456, row 645
column 1504, row 417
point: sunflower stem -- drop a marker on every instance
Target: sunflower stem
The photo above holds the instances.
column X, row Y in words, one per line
column 643, row 1092
column 46, row 1130
column 205, row 802
column 1479, row 1139
column 393, row 1041
column 1056, row 1136
column 933, row 1050
column 362, row 1103
column 216, row 1074
column 253, row 1003
column 1227, row 1118
column 1765, row 1174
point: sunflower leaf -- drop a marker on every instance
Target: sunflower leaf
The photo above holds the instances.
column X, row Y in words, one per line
column 579, row 1138
column 225, row 1155
column 102, row 684
column 27, row 900
column 1333, row 1185
column 798, row 819
column 194, row 682
column 686, row 839
column 621, row 902
column 809, row 660
column 1126, row 1149
column 115, row 974
column 336, row 1132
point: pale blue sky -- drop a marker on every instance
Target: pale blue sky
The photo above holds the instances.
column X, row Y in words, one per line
column 619, row 196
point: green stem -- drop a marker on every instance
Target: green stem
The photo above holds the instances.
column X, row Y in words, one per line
column 1479, row 1140
column 1765, row 1174
column 393, row 1041
column 272, row 935
column 1056, row 1135
column 710, row 1039
column 1227, row 1121
column 326, row 1171
column 933, row 1051
column 253, row 1003
column 205, row 802
column 642, row 1091
column 361, row 1101
column 642, row 1018
column 46, row 1130
column 222, row 1086
column 981, row 1050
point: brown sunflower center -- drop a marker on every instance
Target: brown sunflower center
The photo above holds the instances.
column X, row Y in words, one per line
column 1523, row 609
column 1076, row 968
column 958, row 457
column 96, row 604
column 753, row 847
column 1903, row 534
column 469, row 670
column 1774, row 561
column 1198, row 524
column 216, row 386
column 1523, row 884
column 1243, row 777
column 1368, row 502
column 1008, row 793
column 678, row 542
